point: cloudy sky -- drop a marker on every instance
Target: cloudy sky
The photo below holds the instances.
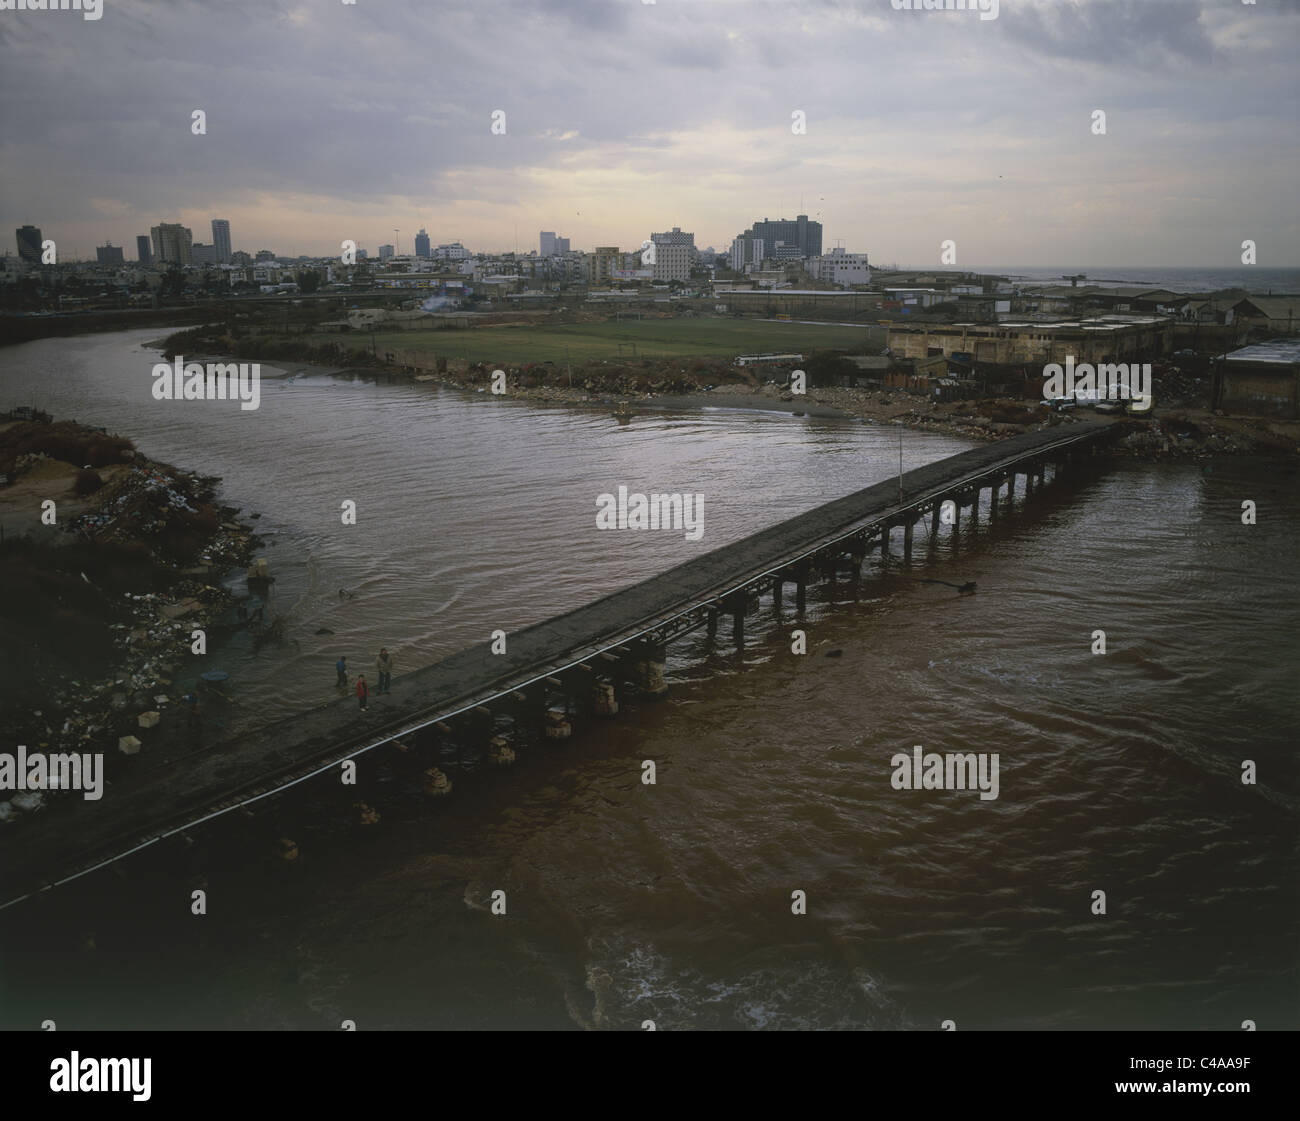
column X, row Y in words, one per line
column 328, row 120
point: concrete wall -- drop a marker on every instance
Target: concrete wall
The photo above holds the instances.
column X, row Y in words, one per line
column 1260, row 392
column 822, row 303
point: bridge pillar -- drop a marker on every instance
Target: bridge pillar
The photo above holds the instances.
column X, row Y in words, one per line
column 993, row 501
column 907, row 542
column 735, row 604
column 778, row 583
column 711, row 622
column 650, row 669
column 857, row 554
column 801, row 585
column 826, row 566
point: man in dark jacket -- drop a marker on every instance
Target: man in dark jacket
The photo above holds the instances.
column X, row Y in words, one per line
column 385, row 665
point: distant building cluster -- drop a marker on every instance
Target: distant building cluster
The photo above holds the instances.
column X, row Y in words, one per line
column 766, row 252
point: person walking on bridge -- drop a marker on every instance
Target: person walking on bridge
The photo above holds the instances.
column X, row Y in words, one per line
column 363, row 692
column 385, row 664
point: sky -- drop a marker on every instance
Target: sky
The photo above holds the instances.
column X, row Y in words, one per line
column 328, row 120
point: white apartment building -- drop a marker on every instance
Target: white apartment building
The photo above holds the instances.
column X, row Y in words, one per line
column 841, row 268
column 672, row 262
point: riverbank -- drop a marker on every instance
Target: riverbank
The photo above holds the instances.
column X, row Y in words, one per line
column 108, row 570
column 624, row 387
column 1161, row 433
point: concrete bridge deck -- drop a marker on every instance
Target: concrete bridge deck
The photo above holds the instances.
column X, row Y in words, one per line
column 144, row 808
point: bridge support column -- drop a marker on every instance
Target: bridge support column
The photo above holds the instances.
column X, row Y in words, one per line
column 993, row 501
column 711, row 624
column 735, row 604
column 650, row 670
column 907, row 541
column 857, row 554
column 778, row 583
column 826, row 564
column 801, row 585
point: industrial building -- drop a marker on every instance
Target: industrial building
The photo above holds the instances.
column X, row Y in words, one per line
column 1108, row 338
column 1262, row 379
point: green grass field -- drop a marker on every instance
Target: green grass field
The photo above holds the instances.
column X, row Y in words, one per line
column 648, row 338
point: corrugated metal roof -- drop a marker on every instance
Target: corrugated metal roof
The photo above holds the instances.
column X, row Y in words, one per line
column 1284, row 352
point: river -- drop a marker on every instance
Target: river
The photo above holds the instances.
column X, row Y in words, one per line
column 671, row 902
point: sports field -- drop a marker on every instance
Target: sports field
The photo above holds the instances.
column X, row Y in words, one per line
column 639, row 338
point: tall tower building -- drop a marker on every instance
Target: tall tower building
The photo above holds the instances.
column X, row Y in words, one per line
column 29, row 243
column 221, row 240
column 171, row 243
column 422, row 243
column 142, row 249
column 547, row 244
column 804, row 238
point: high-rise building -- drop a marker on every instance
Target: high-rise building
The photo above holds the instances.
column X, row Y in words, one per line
column 107, row 254
column 561, row 246
column 29, row 243
column 201, row 254
column 221, row 240
column 171, row 243
column 547, row 243
column 422, row 243
column 800, row 232
column 673, row 253
column 674, row 237
column 142, row 249
column 385, row 251
column 746, row 250
column 672, row 262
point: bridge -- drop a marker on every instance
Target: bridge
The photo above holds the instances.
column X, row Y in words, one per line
column 619, row 639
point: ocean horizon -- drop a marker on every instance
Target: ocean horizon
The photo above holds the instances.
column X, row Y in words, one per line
column 1253, row 278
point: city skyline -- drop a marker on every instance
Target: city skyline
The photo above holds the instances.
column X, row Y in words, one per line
column 1010, row 170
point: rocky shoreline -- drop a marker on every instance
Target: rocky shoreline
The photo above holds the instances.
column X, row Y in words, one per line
column 135, row 567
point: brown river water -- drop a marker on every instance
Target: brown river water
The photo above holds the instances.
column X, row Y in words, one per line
column 671, row 902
